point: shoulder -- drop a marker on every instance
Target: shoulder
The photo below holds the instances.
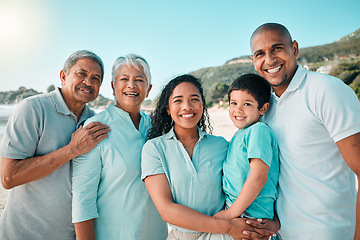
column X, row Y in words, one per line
column 102, row 117
column 215, row 141
column 322, row 81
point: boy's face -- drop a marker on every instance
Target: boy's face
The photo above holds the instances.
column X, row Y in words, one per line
column 243, row 109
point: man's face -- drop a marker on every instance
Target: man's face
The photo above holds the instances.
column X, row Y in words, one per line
column 274, row 57
column 82, row 83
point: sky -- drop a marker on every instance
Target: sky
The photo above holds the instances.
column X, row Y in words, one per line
column 175, row 37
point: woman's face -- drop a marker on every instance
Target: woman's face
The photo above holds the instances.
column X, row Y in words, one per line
column 131, row 88
column 185, row 106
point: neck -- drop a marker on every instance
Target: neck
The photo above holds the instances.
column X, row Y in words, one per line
column 135, row 118
column 75, row 107
column 186, row 133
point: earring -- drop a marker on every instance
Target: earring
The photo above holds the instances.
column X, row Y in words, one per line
column 113, row 94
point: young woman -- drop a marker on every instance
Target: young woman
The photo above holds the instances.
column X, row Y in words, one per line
column 109, row 199
column 182, row 165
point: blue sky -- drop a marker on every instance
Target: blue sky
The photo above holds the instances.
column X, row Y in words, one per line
column 36, row 36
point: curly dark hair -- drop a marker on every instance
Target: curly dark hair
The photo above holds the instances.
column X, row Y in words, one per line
column 161, row 120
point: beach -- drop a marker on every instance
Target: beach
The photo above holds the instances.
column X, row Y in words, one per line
column 219, row 118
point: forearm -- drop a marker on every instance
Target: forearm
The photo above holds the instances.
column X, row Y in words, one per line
column 248, row 194
column 188, row 218
column 357, row 229
column 252, row 187
column 85, row 230
column 17, row 172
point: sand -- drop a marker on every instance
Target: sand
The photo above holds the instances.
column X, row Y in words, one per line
column 222, row 126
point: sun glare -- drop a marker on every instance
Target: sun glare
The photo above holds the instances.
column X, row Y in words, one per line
column 22, row 24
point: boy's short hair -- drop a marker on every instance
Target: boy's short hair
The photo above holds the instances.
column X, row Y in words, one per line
column 255, row 85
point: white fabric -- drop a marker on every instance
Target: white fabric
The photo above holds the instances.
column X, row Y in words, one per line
column 317, row 191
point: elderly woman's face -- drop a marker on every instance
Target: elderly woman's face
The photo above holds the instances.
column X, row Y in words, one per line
column 131, row 88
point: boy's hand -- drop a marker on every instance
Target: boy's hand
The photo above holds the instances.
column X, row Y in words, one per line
column 224, row 214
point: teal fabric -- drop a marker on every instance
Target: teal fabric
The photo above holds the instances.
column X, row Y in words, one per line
column 196, row 182
column 255, row 141
column 107, row 184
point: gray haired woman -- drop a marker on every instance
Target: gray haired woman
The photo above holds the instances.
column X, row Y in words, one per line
column 109, row 199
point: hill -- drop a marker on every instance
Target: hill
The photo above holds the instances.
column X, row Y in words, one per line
column 340, row 58
column 14, row 97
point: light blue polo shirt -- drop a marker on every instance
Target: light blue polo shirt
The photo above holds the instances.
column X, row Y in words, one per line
column 255, row 141
column 107, row 183
column 196, row 182
column 40, row 209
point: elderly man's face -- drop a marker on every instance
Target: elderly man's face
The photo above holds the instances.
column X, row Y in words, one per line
column 274, row 57
column 82, row 83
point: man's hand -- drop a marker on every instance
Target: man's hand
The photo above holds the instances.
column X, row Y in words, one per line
column 252, row 230
column 86, row 138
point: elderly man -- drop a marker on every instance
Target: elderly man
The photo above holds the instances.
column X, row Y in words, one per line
column 316, row 119
column 39, row 142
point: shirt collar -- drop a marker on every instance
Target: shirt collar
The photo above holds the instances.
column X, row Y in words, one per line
column 59, row 102
column 171, row 134
column 295, row 82
column 121, row 112
column 62, row 108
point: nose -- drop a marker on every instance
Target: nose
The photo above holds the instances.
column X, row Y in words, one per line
column 270, row 58
column 88, row 81
column 131, row 84
column 187, row 105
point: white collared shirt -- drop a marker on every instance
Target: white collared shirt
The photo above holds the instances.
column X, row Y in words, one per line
column 317, row 191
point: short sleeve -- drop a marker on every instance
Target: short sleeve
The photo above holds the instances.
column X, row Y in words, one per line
column 85, row 181
column 22, row 132
column 338, row 108
column 150, row 161
column 260, row 143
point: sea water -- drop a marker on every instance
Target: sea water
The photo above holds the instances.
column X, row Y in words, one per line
column 5, row 112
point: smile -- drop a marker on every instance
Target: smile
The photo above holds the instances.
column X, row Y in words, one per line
column 239, row 118
column 86, row 90
column 131, row 94
column 274, row 70
column 187, row 115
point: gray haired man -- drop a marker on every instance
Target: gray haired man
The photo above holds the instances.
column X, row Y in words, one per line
column 42, row 135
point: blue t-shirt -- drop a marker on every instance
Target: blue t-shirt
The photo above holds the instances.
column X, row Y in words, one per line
column 196, row 182
column 255, row 141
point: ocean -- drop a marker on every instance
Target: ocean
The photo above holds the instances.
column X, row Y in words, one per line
column 5, row 112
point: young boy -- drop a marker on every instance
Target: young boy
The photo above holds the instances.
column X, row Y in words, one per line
column 251, row 169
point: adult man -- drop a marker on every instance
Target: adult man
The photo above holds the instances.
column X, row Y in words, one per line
column 316, row 119
column 37, row 147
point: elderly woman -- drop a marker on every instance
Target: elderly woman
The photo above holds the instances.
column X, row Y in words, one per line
column 109, row 199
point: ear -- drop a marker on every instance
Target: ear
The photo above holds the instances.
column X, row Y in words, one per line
column 264, row 108
column 252, row 59
column 63, row 76
column 149, row 88
column 168, row 110
column 295, row 47
column 112, row 86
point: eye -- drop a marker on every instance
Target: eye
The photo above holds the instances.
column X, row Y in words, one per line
column 95, row 78
column 139, row 80
column 233, row 103
column 247, row 104
column 259, row 54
